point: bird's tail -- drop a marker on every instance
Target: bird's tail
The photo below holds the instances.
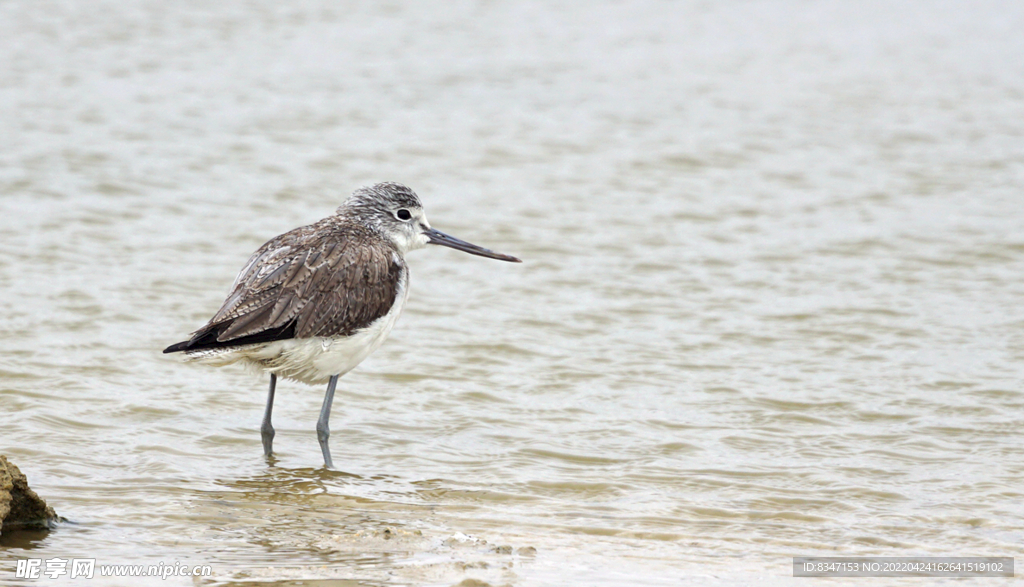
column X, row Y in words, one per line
column 177, row 347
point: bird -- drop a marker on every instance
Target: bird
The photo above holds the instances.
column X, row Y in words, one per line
column 312, row 303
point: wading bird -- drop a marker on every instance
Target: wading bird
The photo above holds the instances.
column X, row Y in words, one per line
column 312, row 303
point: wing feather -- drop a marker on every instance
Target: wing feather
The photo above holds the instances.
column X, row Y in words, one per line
column 317, row 280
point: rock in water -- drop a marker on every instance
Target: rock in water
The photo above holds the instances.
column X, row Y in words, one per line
column 20, row 507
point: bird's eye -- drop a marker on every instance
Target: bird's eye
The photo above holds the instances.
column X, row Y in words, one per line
column 403, row 214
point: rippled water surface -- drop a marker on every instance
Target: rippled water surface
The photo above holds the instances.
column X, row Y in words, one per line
column 772, row 303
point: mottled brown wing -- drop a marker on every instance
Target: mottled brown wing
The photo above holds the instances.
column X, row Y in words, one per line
column 305, row 283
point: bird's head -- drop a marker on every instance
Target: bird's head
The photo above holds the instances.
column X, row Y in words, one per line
column 396, row 212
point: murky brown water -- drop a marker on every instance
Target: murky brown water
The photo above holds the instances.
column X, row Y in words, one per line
column 772, row 302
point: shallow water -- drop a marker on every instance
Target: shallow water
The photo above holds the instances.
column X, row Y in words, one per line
column 771, row 306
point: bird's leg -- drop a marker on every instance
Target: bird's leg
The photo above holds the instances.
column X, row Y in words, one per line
column 266, row 429
column 323, row 432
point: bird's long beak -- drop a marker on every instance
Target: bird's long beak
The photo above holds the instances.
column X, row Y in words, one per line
column 439, row 238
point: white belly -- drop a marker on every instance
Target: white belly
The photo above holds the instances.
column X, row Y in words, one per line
column 309, row 360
